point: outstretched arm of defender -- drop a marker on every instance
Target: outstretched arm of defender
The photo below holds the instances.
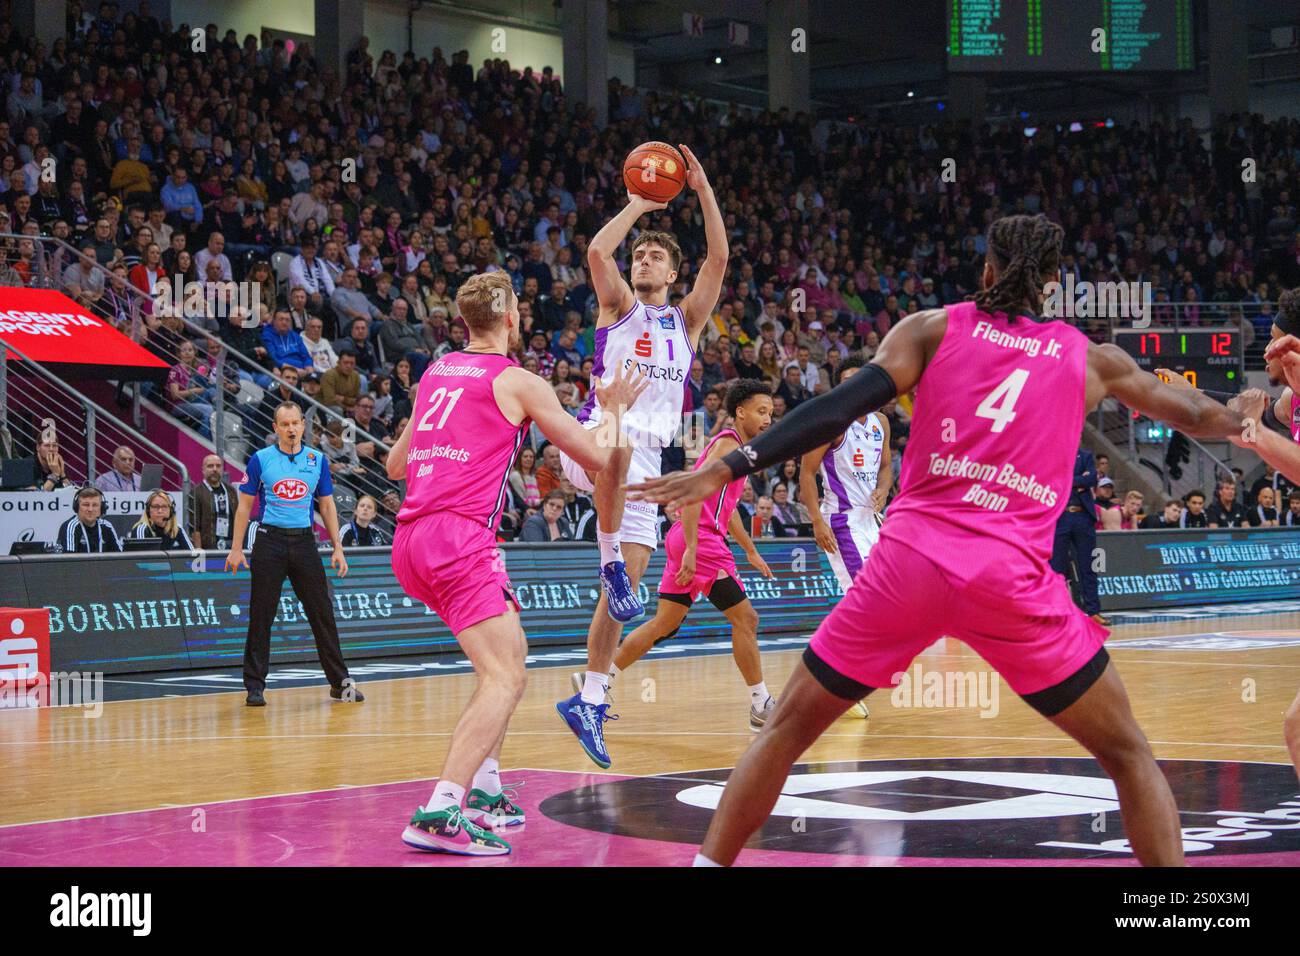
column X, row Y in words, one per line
column 589, row 448
column 1112, row 372
column 818, row 421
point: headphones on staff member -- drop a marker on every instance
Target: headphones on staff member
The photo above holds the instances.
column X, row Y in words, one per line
column 171, row 505
column 88, row 491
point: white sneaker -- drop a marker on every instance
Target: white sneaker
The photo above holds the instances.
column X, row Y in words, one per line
column 579, row 678
column 758, row 715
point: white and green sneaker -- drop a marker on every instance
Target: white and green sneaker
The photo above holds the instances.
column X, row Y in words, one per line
column 447, row 831
column 495, row 811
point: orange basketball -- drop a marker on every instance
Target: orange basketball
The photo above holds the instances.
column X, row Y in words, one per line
column 655, row 171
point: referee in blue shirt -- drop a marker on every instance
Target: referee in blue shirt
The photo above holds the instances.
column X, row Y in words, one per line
column 286, row 478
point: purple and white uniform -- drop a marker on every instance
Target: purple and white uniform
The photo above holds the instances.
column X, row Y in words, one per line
column 654, row 338
column 849, row 472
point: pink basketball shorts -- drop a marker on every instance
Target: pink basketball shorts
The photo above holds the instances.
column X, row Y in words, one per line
column 454, row 567
column 711, row 556
column 902, row 602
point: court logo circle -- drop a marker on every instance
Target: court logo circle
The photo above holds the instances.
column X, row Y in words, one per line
column 995, row 808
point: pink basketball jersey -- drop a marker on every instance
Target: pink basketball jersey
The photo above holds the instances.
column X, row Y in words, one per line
column 990, row 456
column 462, row 447
column 717, row 509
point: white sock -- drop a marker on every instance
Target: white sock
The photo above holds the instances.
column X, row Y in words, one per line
column 488, row 778
column 758, row 694
column 702, row 860
column 609, row 547
column 594, row 687
column 445, row 794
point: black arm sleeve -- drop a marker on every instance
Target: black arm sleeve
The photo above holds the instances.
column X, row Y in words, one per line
column 816, row 422
column 1269, row 418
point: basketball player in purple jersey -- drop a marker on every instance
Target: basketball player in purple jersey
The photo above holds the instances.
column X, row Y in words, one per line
column 1000, row 401
column 857, row 472
column 472, row 414
column 700, row 561
column 635, row 326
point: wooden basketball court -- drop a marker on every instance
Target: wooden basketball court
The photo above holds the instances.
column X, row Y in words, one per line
column 204, row 780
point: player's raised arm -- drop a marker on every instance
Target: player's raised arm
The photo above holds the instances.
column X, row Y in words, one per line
column 590, row 448
column 698, row 305
column 895, row 369
column 612, row 291
column 1112, row 372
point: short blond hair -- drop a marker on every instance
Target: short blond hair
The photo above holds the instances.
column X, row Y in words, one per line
column 483, row 298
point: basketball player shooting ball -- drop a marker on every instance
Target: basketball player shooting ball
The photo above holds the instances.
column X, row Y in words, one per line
column 472, row 414
column 700, row 560
column 856, row 475
column 636, row 327
column 1001, row 397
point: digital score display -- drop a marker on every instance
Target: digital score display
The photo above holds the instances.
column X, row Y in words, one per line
column 1061, row 36
column 1210, row 360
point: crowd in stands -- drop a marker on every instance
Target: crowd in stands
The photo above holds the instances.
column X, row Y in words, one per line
column 1270, row 502
column 384, row 188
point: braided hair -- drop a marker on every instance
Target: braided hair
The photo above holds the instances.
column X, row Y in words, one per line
column 1024, row 250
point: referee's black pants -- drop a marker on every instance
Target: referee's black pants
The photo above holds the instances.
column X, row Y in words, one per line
column 291, row 552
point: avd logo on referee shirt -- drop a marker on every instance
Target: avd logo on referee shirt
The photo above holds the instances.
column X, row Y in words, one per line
column 290, row 489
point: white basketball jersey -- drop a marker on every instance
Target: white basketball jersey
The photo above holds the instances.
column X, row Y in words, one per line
column 850, row 468
column 654, row 339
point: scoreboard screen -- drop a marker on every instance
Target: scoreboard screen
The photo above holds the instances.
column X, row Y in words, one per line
column 1210, row 359
column 1062, row 36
